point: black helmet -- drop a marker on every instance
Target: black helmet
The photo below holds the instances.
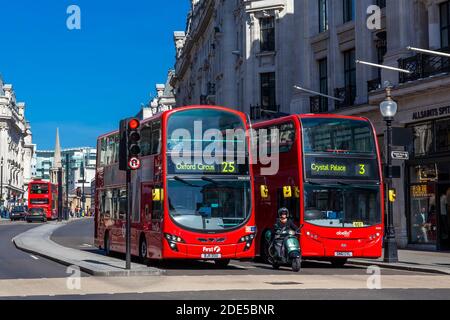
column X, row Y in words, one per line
column 283, row 211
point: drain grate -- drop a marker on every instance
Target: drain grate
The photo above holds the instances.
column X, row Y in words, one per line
column 288, row 283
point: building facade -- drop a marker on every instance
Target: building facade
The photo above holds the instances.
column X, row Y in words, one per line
column 163, row 101
column 16, row 148
column 249, row 55
column 236, row 54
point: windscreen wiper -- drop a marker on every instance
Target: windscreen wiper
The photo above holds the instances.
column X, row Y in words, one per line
column 210, row 180
column 185, row 182
column 314, row 183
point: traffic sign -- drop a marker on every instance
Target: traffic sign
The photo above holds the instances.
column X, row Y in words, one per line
column 400, row 155
column 134, row 163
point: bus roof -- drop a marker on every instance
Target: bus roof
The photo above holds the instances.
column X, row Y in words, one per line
column 308, row 116
column 168, row 112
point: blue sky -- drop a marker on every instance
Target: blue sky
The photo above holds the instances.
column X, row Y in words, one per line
column 84, row 81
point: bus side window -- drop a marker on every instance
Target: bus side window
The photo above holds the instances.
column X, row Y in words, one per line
column 123, row 203
column 146, row 140
column 156, row 137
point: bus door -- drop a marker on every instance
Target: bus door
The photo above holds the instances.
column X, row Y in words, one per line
column 154, row 211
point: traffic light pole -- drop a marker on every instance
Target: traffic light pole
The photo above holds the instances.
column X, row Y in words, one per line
column 129, row 151
column 128, row 226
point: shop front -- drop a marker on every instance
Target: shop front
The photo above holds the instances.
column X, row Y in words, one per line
column 428, row 185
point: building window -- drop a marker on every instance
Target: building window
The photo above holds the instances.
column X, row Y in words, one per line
column 349, row 10
column 323, row 83
column 323, row 15
column 267, row 37
column 443, row 135
column 445, row 24
column 268, row 91
column 350, row 75
column 381, row 3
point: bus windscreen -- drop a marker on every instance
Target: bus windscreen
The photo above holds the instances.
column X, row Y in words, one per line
column 206, row 142
column 337, row 136
column 39, row 188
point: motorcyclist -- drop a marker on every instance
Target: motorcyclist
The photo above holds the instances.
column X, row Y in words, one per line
column 283, row 224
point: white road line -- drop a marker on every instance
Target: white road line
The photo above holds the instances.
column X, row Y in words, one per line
column 34, row 257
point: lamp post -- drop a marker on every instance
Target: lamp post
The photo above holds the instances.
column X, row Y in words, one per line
column 83, row 197
column 388, row 110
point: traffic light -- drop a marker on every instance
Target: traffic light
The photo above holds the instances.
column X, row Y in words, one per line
column 129, row 142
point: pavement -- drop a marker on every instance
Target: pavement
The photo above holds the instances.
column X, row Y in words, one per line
column 409, row 260
column 30, row 276
column 37, row 241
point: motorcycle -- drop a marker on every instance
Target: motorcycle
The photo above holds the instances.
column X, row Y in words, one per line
column 290, row 249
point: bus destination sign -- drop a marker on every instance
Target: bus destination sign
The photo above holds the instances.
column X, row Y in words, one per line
column 224, row 168
column 346, row 169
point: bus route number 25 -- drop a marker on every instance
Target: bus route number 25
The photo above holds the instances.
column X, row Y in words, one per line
column 228, row 167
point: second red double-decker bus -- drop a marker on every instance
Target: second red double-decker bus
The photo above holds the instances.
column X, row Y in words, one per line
column 43, row 194
column 330, row 179
column 189, row 209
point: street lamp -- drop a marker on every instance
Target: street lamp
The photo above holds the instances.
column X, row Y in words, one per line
column 388, row 110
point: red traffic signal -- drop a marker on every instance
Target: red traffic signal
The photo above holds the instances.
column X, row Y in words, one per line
column 133, row 124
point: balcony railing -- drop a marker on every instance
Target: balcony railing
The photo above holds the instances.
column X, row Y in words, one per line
column 265, row 112
column 347, row 94
column 423, row 66
column 318, row 104
column 374, row 84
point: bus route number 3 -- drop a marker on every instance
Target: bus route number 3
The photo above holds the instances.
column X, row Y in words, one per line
column 362, row 169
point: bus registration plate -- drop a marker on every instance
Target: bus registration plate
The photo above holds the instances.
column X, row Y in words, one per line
column 211, row 256
column 343, row 254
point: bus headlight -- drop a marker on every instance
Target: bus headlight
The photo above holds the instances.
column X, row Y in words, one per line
column 248, row 240
column 173, row 240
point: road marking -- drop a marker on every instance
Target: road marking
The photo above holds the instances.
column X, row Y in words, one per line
column 34, row 257
column 86, row 245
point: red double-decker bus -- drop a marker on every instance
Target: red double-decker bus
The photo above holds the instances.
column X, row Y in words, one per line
column 190, row 209
column 43, row 194
column 330, row 178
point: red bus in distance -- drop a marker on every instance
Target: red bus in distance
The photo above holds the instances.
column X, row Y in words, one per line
column 180, row 210
column 43, row 194
column 330, row 178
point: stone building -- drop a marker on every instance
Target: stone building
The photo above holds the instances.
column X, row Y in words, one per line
column 163, row 101
column 16, row 148
column 237, row 54
column 248, row 55
column 331, row 37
